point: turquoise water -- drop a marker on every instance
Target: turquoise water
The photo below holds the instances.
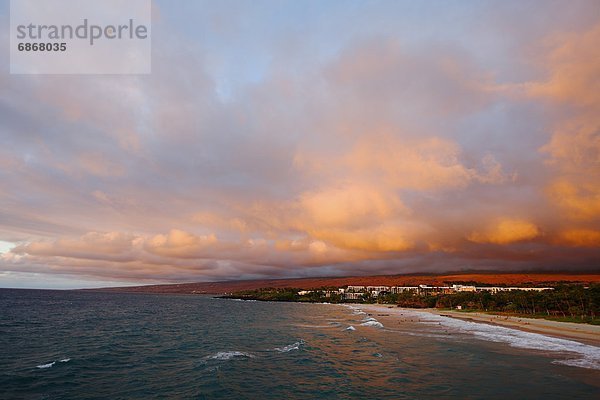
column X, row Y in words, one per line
column 86, row 345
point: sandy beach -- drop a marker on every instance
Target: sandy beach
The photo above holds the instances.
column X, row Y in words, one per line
column 585, row 333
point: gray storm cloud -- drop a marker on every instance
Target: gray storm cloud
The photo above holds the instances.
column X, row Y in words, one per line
column 360, row 152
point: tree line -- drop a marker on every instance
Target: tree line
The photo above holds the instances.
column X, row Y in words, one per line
column 566, row 302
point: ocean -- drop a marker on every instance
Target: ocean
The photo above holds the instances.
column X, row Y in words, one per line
column 92, row 345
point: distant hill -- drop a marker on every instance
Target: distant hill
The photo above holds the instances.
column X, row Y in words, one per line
column 511, row 279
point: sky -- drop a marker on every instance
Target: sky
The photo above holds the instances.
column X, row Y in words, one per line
column 311, row 138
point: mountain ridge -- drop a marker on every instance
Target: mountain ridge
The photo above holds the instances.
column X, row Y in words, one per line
column 488, row 278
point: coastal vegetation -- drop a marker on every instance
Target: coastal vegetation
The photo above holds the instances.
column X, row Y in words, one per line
column 572, row 303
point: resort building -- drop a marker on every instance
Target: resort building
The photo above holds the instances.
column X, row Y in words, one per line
column 359, row 292
column 353, row 296
column 356, row 289
column 402, row 289
column 375, row 291
column 463, row 288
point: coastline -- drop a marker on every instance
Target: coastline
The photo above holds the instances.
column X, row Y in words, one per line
column 584, row 333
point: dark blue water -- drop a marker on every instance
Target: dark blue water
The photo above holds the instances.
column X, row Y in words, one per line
column 86, row 345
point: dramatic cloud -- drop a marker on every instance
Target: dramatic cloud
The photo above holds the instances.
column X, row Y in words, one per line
column 283, row 139
column 506, row 231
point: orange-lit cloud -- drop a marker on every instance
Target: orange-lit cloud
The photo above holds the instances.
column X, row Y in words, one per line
column 580, row 238
column 574, row 65
column 580, row 201
column 573, row 151
column 345, row 148
column 505, row 231
column 349, row 206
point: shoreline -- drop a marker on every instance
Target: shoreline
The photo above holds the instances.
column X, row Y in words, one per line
column 584, row 333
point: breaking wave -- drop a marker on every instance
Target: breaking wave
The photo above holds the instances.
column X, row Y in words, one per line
column 51, row 364
column 374, row 324
column 289, row 347
column 588, row 356
column 356, row 310
column 228, row 355
column 370, row 321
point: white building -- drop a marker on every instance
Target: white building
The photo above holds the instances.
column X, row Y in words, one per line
column 464, row 288
column 402, row 289
column 353, row 296
column 378, row 289
column 356, row 289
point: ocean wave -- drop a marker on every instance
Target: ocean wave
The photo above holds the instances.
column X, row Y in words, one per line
column 289, row 347
column 350, row 328
column 244, row 300
column 313, row 326
column 51, row 364
column 374, row 324
column 228, row 355
column 356, row 310
column 579, row 362
column 406, row 333
column 588, row 356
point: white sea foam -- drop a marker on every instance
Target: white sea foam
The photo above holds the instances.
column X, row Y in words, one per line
column 374, row 324
column 587, row 356
column 243, row 300
column 228, row 355
column 370, row 321
column 356, row 310
column 580, row 362
column 350, row 328
column 51, row 364
column 289, row 347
